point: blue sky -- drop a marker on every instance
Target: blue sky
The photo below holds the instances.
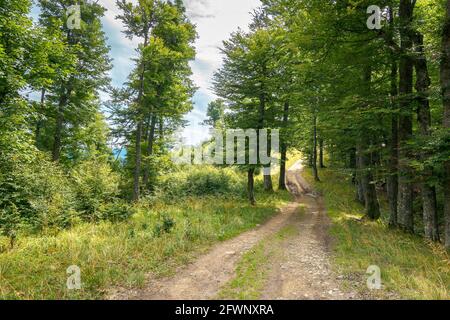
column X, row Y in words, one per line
column 215, row 20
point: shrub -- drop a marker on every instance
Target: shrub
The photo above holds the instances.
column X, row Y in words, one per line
column 95, row 185
column 201, row 181
column 37, row 189
column 9, row 223
column 164, row 226
column 116, row 211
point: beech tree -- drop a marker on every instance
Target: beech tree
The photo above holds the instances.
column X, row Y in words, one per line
column 445, row 83
column 80, row 86
column 160, row 87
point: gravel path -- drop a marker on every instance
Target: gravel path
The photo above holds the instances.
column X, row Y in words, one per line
column 302, row 273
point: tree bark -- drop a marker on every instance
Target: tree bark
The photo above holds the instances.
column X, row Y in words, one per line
column 139, row 126
column 445, row 84
column 354, row 165
column 367, row 186
column 161, row 128
column 150, row 143
column 251, row 186
column 314, row 155
column 405, row 185
column 366, row 162
column 282, row 182
column 39, row 122
column 360, row 191
column 57, row 140
column 268, row 185
column 321, row 155
column 137, row 163
column 423, row 82
column 392, row 180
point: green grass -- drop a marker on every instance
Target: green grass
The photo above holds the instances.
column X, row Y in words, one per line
column 253, row 269
column 122, row 254
column 410, row 267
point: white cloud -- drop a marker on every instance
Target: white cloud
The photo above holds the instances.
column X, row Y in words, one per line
column 215, row 21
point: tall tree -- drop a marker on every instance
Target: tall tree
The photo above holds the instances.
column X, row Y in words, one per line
column 138, row 19
column 445, row 84
column 423, row 81
column 81, row 87
column 160, row 85
column 405, row 185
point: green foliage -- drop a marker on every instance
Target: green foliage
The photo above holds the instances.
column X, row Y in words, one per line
column 159, row 89
column 117, row 254
column 215, row 113
column 410, row 268
column 94, row 184
column 9, row 223
column 115, row 211
column 164, row 226
column 200, row 181
column 37, row 189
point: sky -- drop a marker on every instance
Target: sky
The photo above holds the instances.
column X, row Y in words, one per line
column 215, row 21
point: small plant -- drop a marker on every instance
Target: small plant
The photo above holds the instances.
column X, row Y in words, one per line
column 116, row 211
column 164, row 226
column 9, row 223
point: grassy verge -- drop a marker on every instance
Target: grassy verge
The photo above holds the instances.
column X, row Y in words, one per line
column 121, row 254
column 410, row 267
column 254, row 267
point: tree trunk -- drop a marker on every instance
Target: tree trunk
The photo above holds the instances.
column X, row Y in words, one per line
column 360, row 197
column 138, row 156
column 321, row 160
column 57, row 141
column 405, row 185
column 360, row 191
column 366, row 163
column 282, row 182
column 354, row 164
column 161, row 128
column 251, row 186
column 423, row 82
column 392, row 180
column 445, row 83
column 314, row 155
column 39, row 122
column 367, row 187
column 137, row 163
column 268, row 185
column 150, row 142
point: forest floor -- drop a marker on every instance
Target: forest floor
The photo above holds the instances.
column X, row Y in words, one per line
column 288, row 257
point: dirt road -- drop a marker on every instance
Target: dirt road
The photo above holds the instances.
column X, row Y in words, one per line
column 303, row 272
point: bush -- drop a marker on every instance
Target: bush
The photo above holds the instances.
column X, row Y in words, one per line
column 37, row 189
column 9, row 223
column 164, row 226
column 116, row 211
column 95, row 184
column 201, row 181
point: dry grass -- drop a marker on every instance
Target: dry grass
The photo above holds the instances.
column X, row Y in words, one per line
column 122, row 254
column 410, row 267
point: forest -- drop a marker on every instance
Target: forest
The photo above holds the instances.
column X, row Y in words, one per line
column 359, row 91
